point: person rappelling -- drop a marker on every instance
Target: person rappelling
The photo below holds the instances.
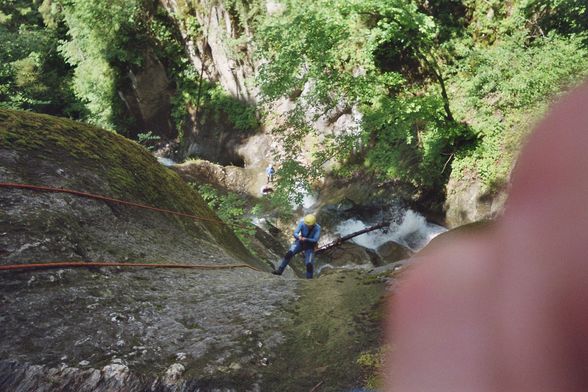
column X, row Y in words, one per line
column 306, row 236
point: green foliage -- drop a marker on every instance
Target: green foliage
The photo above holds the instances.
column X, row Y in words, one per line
column 364, row 53
column 148, row 140
column 245, row 16
column 104, row 42
column 344, row 47
column 514, row 74
column 440, row 86
column 501, row 89
column 71, row 57
column 166, row 39
column 295, row 185
column 32, row 74
column 231, row 209
column 310, row 52
column 216, row 105
column 565, row 17
column 220, row 104
column 246, row 12
column 210, row 99
column 372, row 362
column 66, row 57
column 410, row 139
column 215, row 102
column 407, row 66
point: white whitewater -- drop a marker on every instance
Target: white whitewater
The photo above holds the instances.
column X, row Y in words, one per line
column 413, row 231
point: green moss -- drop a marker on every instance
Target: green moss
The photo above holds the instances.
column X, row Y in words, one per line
column 372, row 362
column 335, row 321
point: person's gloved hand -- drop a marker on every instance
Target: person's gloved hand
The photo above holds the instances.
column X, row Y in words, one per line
column 506, row 309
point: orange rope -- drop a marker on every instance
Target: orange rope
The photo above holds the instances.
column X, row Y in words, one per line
column 104, row 264
column 78, row 264
column 107, row 199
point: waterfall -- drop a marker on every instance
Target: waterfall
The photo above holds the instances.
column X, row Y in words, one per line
column 412, row 230
column 309, row 199
column 165, row 161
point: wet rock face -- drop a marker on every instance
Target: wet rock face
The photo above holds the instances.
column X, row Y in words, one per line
column 59, row 227
column 148, row 98
column 114, row 329
column 223, row 52
column 467, row 201
column 230, row 66
column 42, row 226
column 107, row 328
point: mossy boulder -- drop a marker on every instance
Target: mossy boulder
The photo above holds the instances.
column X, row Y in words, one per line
column 44, row 150
column 347, row 254
column 335, row 323
column 391, row 251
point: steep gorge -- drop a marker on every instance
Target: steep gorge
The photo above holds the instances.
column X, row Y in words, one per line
column 220, row 41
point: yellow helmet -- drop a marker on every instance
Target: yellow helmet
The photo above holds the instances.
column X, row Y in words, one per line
column 309, row 220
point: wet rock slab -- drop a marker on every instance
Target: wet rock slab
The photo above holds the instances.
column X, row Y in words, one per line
column 96, row 329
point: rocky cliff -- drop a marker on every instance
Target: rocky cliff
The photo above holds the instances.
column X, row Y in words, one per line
column 219, row 41
column 215, row 50
column 468, row 200
column 221, row 50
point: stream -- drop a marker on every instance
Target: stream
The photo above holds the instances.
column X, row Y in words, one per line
column 412, row 231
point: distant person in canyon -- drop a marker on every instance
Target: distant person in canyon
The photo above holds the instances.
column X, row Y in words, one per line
column 306, row 236
column 270, row 171
column 505, row 308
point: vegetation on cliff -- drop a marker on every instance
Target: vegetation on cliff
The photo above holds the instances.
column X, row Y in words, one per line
column 439, row 87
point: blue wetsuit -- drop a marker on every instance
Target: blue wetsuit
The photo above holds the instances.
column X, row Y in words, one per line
column 311, row 235
column 270, row 173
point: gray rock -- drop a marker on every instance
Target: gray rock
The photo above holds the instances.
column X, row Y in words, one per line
column 391, row 251
column 148, row 98
column 231, row 178
column 116, row 372
column 346, row 254
column 173, row 374
column 469, row 201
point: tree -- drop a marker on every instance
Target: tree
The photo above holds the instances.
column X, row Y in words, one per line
column 104, row 43
column 33, row 76
column 379, row 57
